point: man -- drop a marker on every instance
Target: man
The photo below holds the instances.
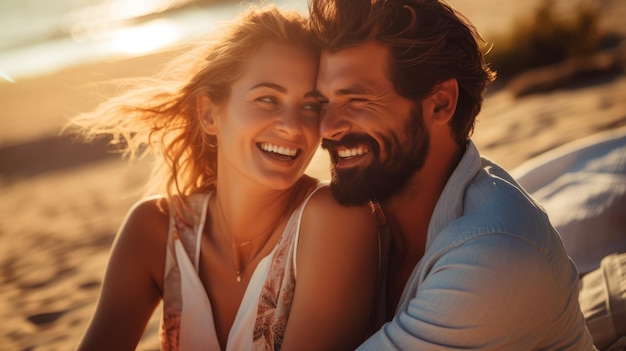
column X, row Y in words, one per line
column 474, row 262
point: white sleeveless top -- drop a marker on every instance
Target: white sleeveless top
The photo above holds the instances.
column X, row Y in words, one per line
column 260, row 322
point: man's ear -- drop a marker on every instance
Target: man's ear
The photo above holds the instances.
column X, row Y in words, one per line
column 206, row 114
column 444, row 101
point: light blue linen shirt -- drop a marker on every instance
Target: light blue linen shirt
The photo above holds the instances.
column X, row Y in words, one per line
column 494, row 275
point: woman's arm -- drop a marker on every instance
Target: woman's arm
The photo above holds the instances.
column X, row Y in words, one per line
column 132, row 283
column 337, row 269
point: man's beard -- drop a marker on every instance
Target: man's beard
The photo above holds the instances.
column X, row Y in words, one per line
column 382, row 178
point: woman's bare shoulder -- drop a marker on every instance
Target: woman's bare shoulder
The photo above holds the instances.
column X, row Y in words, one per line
column 324, row 204
column 150, row 213
column 147, row 223
column 326, row 214
column 144, row 234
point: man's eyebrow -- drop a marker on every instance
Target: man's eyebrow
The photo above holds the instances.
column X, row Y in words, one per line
column 354, row 89
column 316, row 94
column 269, row 85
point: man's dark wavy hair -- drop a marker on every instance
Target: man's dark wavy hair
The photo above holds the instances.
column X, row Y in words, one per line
column 429, row 43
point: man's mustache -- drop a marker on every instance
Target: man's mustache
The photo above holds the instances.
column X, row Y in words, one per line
column 348, row 141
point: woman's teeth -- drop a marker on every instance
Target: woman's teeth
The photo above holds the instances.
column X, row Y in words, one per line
column 281, row 150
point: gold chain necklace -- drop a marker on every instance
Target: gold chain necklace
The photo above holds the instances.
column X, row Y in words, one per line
column 239, row 271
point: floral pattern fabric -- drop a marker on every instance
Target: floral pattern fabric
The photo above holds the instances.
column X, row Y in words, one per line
column 276, row 294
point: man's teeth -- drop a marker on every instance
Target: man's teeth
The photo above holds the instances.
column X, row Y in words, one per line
column 357, row 151
column 287, row 151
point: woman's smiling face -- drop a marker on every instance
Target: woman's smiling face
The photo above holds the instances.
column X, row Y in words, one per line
column 268, row 128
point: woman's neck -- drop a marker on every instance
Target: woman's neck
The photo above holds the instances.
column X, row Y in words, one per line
column 249, row 211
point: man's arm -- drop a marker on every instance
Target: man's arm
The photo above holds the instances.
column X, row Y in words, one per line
column 494, row 292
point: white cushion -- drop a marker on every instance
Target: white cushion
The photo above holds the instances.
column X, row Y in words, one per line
column 582, row 186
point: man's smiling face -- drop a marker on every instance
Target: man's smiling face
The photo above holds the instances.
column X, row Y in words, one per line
column 376, row 138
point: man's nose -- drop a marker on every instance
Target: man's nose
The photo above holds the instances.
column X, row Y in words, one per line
column 334, row 123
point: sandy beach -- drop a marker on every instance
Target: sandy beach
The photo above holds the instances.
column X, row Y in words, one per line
column 61, row 203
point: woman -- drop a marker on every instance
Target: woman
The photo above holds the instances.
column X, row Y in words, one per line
column 245, row 250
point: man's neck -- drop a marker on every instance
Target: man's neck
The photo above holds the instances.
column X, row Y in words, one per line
column 408, row 221
column 408, row 214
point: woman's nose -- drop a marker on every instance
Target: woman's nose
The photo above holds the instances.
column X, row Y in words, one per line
column 289, row 123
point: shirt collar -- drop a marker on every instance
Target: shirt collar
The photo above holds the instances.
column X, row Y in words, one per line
column 450, row 203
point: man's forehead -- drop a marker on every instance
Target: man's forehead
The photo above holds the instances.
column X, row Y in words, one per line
column 361, row 67
column 369, row 54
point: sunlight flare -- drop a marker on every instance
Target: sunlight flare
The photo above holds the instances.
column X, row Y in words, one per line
column 148, row 37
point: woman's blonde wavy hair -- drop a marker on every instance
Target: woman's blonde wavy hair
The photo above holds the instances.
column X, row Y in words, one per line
column 159, row 115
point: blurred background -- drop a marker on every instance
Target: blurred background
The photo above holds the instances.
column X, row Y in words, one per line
column 561, row 78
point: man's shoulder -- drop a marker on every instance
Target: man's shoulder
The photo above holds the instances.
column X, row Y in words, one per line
column 495, row 204
column 498, row 198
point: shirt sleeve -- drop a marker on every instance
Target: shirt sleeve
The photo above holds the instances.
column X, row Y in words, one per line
column 493, row 292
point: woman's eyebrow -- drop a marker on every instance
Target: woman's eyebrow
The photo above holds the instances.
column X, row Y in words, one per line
column 269, row 85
